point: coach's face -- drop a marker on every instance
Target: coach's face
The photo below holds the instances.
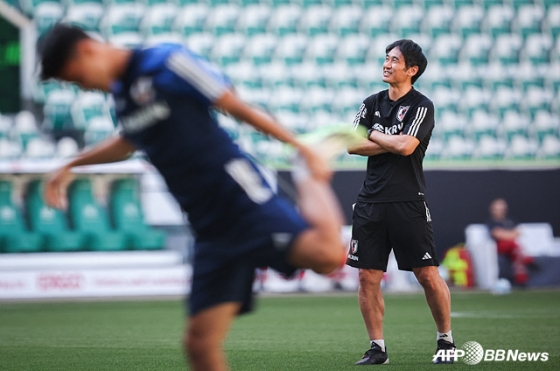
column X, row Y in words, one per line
column 394, row 68
column 87, row 67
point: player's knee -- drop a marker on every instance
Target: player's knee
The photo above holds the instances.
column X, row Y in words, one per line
column 427, row 277
column 369, row 278
column 197, row 345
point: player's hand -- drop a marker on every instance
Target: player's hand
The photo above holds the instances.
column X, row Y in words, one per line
column 56, row 186
column 318, row 166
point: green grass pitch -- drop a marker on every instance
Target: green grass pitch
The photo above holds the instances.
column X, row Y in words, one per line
column 298, row 332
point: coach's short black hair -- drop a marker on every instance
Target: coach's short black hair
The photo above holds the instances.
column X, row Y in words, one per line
column 413, row 55
column 55, row 47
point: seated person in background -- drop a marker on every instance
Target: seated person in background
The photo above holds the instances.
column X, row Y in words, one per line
column 504, row 231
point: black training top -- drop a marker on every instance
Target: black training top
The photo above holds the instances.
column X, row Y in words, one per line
column 391, row 177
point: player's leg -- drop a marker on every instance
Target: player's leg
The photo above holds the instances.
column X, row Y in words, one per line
column 205, row 334
column 319, row 248
column 370, row 298
column 437, row 296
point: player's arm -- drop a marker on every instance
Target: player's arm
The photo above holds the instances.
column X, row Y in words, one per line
column 366, row 148
column 110, row 150
column 499, row 233
column 403, row 145
column 416, row 127
column 232, row 104
column 364, row 119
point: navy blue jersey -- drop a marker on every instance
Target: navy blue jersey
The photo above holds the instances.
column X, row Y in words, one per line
column 163, row 104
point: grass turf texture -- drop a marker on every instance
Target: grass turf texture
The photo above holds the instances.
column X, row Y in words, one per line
column 286, row 333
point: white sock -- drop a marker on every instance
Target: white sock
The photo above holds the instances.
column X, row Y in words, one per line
column 300, row 171
column 380, row 342
column 447, row 336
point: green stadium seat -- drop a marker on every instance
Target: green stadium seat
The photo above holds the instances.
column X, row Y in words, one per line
column 376, row 21
column 201, row 43
column 25, row 128
column 549, row 147
column 352, row 49
column 228, row 49
column 46, row 15
column 86, row 15
column 528, row 19
column 222, row 19
column 537, row 49
column 476, row 49
column 407, row 21
column 128, row 218
column 158, row 20
column 545, row 124
column 457, row 4
column 457, row 148
column 321, row 49
column 87, row 106
column 284, row 20
column 438, row 20
column 520, row 148
column 121, row 19
column 468, row 20
column 346, row 20
column 514, row 123
column 499, row 20
column 89, row 217
column 14, row 235
column 445, row 49
column 253, row 20
column 291, row 48
column 56, row 111
column 191, row 18
column 99, row 128
column 260, row 49
column 506, row 49
column 51, row 223
column 315, row 20
column 552, row 20
column 488, row 147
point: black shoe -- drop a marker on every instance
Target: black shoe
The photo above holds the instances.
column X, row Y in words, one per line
column 374, row 356
column 444, row 345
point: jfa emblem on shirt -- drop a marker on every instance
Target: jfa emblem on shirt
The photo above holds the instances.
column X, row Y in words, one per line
column 353, row 247
column 142, row 91
column 401, row 112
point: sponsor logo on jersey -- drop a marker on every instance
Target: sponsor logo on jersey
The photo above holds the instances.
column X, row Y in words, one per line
column 145, row 117
column 401, row 112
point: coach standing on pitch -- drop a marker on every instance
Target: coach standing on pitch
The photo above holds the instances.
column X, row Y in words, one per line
column 391, row 210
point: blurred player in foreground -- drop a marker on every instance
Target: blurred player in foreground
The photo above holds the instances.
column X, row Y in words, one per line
column 391, row 212
column 163, row 96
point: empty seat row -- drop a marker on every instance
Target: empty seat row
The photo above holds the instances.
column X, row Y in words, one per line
column 86, row 226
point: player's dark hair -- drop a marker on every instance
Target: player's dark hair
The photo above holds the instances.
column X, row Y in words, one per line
column 56, row 47
column 413, row 55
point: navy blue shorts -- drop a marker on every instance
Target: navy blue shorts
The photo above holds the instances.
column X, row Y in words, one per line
column 224, row 266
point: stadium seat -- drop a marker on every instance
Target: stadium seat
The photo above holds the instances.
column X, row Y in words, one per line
column 321, row 49
column 544, row 124
column 121, row 19
column 57, row 109
column 342, row 75
column 514, row 123
column 286, row 98
column 308, row 75
column 498, row 20
column 39, row 149
column 438, row 20
column 376, row 21
column 528, row 19
column 433, row 153
column 468, row 20
column 449, row 124
column 158, row 20
column 407, row 20
column 376, row 52
column 128, row 217
column 14, row 236
column 318, row 99
column 222, row 19
column 352, row 49
column 191, row 18
column 520, row 148
column 276, row 74
column 488, row 147
column 24, row 129
column 483, row 123
column 88, row 217
column 291, row 49
column 260, row 49
column 87, row 106
column 347, row 101
column 46, row 15
column 552, row 24
column 9, row 149
column 346, row 20
column 506, row 49
column 284, row 20
column 315, row 20
column 457, row 148
column 86, row 15
column 66, row 148
column 50, row 222
column 228, row 49
column 504, row 99
column 200, row 43
column 536, row 99
column 445, row 49
column 253, row 20
column 244, row 74
column 473, row 99
column 549, row 147
column 99, row 128
column 476, row 49
column 537, row 49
